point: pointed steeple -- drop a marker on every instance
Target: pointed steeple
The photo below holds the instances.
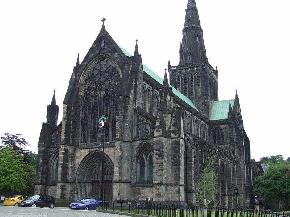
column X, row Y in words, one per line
column 191, row 17
column 53, row 101
column 192, row 49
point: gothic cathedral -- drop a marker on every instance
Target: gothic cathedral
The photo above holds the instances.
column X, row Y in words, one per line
column 127, row 134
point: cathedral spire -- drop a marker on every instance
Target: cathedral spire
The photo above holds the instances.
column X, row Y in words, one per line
column 192, row 49
column 191, row 17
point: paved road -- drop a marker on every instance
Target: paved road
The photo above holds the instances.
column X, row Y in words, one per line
column 7, row 211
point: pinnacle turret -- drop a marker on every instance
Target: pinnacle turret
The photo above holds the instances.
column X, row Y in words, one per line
column 165, row 80
column 53, row 101
column 52, row 112
column 136, row 52
column 78, row 60
column 236, row 106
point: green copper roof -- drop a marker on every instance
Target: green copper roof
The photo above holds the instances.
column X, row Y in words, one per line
column 152, row 74
column 184, row 98
column 125, row 52
column 220, row 109
column 156, row 77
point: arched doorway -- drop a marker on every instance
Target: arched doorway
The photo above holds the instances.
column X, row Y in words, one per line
column 94, row 176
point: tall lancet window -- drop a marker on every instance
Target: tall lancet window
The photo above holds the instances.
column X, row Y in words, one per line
column 197, row 84
column 92, row 109
column 145, row 164
column 185, row 86
column 191, row 86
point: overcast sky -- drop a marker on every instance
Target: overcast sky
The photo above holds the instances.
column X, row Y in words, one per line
column 249, row 41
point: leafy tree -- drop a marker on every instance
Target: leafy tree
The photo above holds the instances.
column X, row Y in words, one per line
column 30, row 164
column 274, row 184
column 272, row 159
column 22, row 169
column 16, row 141
column 207, row 186
column 13, row 175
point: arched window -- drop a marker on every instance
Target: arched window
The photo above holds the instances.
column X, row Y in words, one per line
column 145, row 164
column 91, row 110
column 218, row 137
column 185, row 86
column 197, row 84
column 52, row 169
column 190, row 86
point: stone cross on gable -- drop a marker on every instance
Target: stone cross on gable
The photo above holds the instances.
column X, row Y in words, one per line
column 103, row 20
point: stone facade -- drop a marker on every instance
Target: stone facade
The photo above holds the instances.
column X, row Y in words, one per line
column 158, row 133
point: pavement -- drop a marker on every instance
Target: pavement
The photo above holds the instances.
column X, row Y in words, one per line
column 10, row 211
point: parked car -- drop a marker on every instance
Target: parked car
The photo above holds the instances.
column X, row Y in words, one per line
column 13, row 201
column 86, row 203
column 30, row 201
column 39, row 201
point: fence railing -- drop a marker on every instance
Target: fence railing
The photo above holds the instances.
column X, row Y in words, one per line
column 162, row 210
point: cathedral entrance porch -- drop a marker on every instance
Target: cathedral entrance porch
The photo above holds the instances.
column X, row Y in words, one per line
column 94, row 177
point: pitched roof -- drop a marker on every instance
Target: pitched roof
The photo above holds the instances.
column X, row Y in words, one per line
column 157, row 78
column 220, row 109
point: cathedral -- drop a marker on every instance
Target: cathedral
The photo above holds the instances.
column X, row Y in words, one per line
column 127, row 134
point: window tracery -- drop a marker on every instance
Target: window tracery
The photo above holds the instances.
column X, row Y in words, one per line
column 145, row 164
column 218, row 136
column 99, row 98
column 144, row 128
column 52, row 168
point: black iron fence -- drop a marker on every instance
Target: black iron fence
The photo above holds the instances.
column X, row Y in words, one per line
column 145, row 208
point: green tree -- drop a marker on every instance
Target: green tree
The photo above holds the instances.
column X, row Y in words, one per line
column 272, row 159
column 207, row 186
column 13, row 175
column 25, row 163
column 274, row 184
column 30, row 164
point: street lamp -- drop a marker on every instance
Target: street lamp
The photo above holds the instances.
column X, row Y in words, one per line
column 236, row 193
column 101, row 124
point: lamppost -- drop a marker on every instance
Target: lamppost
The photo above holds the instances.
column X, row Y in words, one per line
column 101, row 124
column 236, row 193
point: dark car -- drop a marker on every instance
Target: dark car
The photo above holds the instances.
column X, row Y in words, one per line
column 39, row 201
column 86, row 203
